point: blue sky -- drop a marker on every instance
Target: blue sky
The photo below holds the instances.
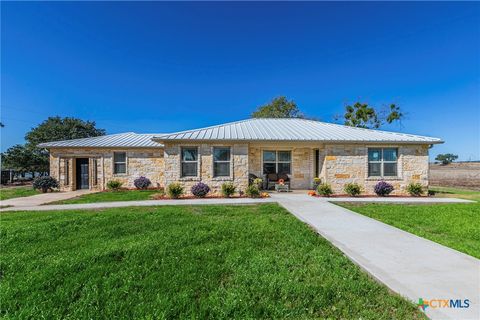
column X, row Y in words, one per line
column 162, row 67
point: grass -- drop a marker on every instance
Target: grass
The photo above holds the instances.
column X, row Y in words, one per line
column 108, row 196
column 454, row 225
column 17, row 192
column 456, row 193
column 182, row 262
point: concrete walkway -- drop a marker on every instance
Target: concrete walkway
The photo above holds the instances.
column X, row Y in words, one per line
column 412, row 266
column 143, row 203
column 39, row 199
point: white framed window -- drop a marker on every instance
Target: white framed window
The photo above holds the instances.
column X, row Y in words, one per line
column 189, row 161
column 221, row 161
column 382, row 162
column 275, row 161
column 119, row 162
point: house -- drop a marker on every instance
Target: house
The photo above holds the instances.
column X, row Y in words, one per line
column 301, row 149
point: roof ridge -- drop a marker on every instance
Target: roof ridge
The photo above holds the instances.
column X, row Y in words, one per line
column 375, row 130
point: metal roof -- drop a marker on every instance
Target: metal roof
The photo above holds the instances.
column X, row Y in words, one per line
column 267, row 129
column 127, row 139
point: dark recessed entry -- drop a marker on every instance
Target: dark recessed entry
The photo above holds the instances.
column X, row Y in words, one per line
column 82, row 173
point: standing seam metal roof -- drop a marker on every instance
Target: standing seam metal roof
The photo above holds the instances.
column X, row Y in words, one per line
column 278, row 129
column 128, row 139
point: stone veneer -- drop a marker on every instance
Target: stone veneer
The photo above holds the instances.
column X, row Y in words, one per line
column 339, row 164
column 238, row 166
column 147, row 162
column 349, row 163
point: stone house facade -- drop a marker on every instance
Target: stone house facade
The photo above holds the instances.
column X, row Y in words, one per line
column 232, row 152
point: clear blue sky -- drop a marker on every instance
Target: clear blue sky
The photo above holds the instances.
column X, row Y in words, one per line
column 162, row 67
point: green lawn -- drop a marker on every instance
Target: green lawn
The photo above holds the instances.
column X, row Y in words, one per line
column 16, row 192
column 454, row 225
column 107, row 196
column 456, row 193
column 181, row 262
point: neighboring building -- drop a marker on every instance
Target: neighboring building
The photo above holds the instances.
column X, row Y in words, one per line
column 302, row 149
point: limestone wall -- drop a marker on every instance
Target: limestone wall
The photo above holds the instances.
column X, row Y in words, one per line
column 147, row 162
column 238, row 166
column 339, row 164
column 349, row 163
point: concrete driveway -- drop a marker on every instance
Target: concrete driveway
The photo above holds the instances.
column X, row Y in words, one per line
column 412, row 266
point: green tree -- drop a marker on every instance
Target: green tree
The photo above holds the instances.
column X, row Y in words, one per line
column 31, row 158
column 279, row 107
column 23, row 159
column 362, row 115
column 446, row 158
column 57, row 128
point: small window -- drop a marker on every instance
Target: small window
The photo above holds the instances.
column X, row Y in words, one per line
column 189, row 162
column 221, row 161
column 277, row 162
column 119, row 162
column 67, row 172
column 382, row 162
column 95, row 172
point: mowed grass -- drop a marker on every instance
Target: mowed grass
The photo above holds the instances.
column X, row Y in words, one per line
column 182, row 262
column 108, row 196
column 454, row 225
column 461, row 193
column 17, row 192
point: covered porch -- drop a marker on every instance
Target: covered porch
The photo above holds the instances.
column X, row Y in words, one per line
column 297, row 164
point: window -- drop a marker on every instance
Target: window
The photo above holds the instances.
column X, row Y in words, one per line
column 382, row 162
column 277, row 162
column 95, row 172
column 189, row 161
column 221, row 161
column 67, row 172
column 119, row 162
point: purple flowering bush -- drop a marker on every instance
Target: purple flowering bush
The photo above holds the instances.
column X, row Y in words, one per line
column 142, row 183
column 383, row 188
column 200, row 190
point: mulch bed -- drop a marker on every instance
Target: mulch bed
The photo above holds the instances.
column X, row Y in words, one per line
column 368, row 196
column 165, row 197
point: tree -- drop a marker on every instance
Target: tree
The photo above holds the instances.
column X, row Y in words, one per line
column 279, row 107
column 446, row 158
column 31, row 158
column 57, row 128
column 24, row 159
column 362, row 115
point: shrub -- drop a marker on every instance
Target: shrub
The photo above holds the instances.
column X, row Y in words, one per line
column 252, row 191
column 114, row 185
column 228, row 189
column 175, row 190
column 142, row 183
column 258, row 182
column 383, row 188
column 415, row 189
column 324, row 189
column 200, row 190
column 316, row 182
column 45, row 183
column 352, row 189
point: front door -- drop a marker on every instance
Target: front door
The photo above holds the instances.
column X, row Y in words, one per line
column 82, row 173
